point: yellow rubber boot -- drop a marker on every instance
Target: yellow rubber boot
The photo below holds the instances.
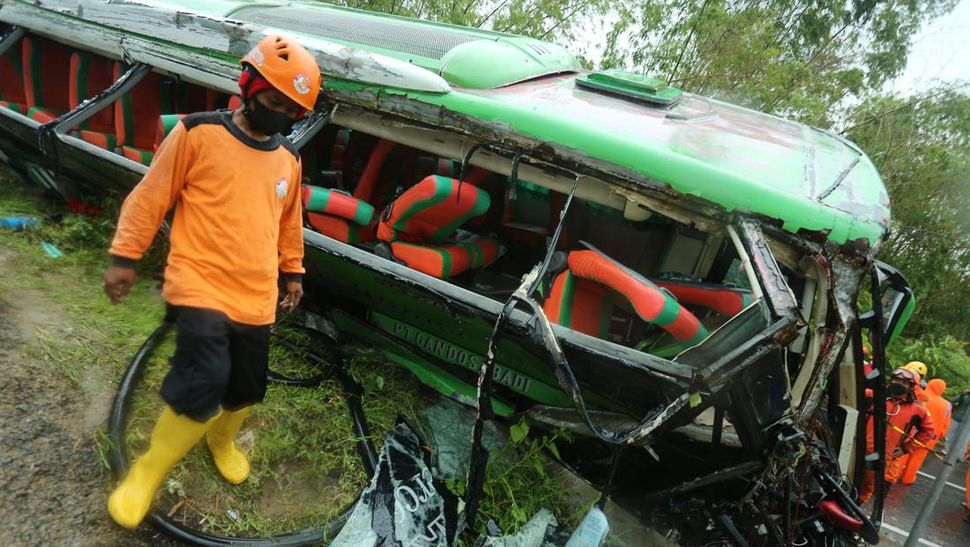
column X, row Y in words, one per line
column 231, row 463
column 172, row 437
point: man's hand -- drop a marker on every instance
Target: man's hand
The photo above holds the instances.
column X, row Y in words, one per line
column 294, row 292
column 118, row 281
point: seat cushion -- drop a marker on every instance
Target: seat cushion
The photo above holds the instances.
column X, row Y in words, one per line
column 104, row 140
column 139, row 155
column 431, row 211
column 12, row 78
column 43, row 115
column 90, row 75
column 335, row 203
column 136, row 112
column 19, row 108
column 580, row 304
column 651, row 303
column 341, row 229
column 727, row 301
column 447, row 259
column 46, row 68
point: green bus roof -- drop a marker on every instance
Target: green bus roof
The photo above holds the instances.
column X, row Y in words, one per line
column 727, row 155
column 465, row 57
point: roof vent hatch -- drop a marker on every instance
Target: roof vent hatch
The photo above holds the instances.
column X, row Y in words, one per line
column 631, row 86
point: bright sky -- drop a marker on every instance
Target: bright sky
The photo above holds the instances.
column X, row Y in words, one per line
column 940, row 53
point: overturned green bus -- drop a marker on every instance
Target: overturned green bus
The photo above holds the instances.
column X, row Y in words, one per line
column 664, row 274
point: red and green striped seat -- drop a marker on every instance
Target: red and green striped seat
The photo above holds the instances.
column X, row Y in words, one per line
column 195, row 98
column 90, row 75
column 419, row 223
column 12, row 94
column 727, row 301
column 577, row 303
column 447, row 259
column 431, row 211
column 338, row 215
column 340, row 229
column 335, row 203
column 46, row 82
column 136, row 115
column 580, row 304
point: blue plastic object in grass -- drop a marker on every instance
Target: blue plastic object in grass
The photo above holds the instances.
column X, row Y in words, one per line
column 51, row 250
column 18, row 223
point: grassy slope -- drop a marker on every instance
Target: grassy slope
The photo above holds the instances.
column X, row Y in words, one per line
column 300, row 442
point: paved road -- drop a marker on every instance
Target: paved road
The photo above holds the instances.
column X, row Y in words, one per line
column 946, row 527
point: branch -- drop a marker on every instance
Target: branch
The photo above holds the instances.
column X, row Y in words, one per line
column 690, row 36
column 905, row 105
column 489, row 16
column 564, row 19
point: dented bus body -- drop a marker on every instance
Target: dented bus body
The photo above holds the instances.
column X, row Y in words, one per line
column 691, row 268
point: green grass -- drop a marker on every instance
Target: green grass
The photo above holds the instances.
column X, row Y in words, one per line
column 300, row 441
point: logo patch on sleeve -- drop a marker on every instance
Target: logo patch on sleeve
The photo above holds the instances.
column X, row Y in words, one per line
column 281, row 187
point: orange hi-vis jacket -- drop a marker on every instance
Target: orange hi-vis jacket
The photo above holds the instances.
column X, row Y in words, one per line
column 908, row 416
column 238, row 219
column 940, row 409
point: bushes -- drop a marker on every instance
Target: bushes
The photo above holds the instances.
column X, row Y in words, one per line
column 945, row 357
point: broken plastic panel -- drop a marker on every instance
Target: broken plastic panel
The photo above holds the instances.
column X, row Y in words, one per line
column 404, row 504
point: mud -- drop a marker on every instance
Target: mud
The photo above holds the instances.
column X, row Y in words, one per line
column 53, row 485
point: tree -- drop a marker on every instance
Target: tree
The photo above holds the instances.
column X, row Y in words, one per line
column 542, row 19
column 921, row 147
column 797, row 58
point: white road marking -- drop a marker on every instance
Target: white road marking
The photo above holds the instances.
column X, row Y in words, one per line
column 931, row 477
column 905, row 534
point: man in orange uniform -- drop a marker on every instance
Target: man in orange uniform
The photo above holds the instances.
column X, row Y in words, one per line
column 942, row 412
column 238, row 224
column 906, row 420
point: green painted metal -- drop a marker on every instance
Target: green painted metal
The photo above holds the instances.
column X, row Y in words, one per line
column 468, row 359
column 629, row 84
column 903, row 319
column 721, row 154
column 464, row 57
column 434, row 377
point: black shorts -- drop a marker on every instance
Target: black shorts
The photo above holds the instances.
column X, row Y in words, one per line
column 217, row 362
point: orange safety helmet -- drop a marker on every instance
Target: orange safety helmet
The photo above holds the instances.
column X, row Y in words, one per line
column 288, row 67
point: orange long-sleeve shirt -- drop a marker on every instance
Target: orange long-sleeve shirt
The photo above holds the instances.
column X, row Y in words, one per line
column 238, row 219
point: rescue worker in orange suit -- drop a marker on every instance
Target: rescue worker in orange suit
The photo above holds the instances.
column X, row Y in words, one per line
column 942, row 413
column 920, row 369
column 235, row 182
column 906, row 420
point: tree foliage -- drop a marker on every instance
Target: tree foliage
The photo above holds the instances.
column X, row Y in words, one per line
column 921, row 146
column 542, row 19
column 945, row 357
column 798, row 58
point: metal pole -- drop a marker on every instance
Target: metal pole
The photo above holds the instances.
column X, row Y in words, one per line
column 953, row 453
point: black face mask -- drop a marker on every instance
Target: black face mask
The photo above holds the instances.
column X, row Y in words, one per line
column 897, row 390
column 267, row 121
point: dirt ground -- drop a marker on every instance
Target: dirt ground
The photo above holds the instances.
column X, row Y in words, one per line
column 53, row 486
